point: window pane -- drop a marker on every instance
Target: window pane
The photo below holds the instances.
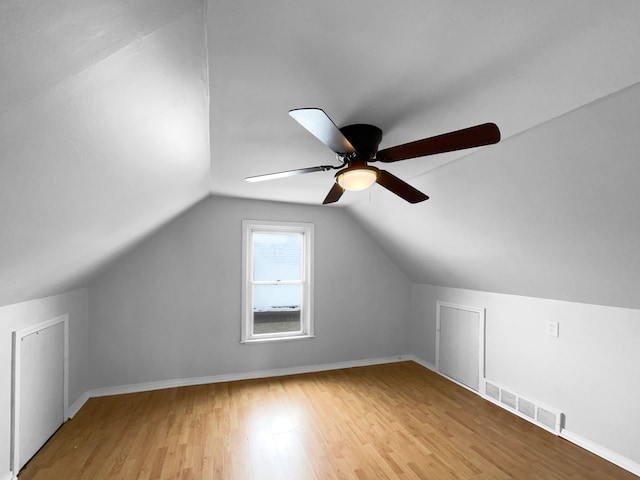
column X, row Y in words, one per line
column 276, row 308
column 277, row 256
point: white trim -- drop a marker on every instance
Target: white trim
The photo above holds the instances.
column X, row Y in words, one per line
column 537, row 405
column 603, row 452
column 481, row 340
column 306, row 315
column 432, row 367
column 15, row 396
column 425, row 364
column 8, row 476
column 287, row 338
column 77, row 405
column 232, row 377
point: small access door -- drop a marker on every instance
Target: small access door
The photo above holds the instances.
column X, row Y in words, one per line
column 40, row 379
column 460, row 344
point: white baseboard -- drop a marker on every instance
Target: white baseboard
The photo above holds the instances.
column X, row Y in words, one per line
column 603, row 452
column 422, row 362
column 8, row 476
column 230, row 377
column 77, row 405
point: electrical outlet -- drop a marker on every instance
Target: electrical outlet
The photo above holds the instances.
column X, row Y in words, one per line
column 553, row 329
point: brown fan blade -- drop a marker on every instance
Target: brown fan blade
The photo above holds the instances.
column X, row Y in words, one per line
column 334, row 194
column 477, row 136
column 400, row 187
column 289, row 173
column 323, row 128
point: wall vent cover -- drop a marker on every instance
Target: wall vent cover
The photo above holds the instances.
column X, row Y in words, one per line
column 509, row 399
column 527, row 408
column 547, row 418
column 492, row 391
column 544, row 416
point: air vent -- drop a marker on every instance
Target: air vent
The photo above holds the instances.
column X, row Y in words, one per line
column 492, row 390
column 527, row 408
column 543, row 416
column 509, row 399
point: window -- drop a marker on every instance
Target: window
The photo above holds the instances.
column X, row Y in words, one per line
column 277, row 280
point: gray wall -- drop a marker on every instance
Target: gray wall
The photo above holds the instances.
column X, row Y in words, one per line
column 21, row 315
column 590, row 372
column 171, row 308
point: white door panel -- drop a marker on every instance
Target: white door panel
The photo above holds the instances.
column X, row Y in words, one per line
column 460, row 344
column 39, row 388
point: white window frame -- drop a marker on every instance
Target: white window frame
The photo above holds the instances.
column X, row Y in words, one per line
column 306, row 313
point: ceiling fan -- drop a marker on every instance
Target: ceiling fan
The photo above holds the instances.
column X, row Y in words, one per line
column 356, row 146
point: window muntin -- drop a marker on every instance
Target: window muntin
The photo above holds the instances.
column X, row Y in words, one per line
column 277, row 277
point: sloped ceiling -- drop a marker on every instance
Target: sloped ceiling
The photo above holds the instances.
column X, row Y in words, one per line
column 117, row 115
column 103, row 132
column 551, row 211
column 413, row 68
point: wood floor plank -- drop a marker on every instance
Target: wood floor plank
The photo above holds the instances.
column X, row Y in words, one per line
column 395, row 421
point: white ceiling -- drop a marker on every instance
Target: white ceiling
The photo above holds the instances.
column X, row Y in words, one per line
column 413, row 68
column 117, row 115
column 103, row 133
column 551, row 211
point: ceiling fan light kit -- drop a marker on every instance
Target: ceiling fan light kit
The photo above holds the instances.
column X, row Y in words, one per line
column 357, row 145
column 357, row 179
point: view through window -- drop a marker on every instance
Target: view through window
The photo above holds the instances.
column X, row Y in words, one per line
column 277, row 283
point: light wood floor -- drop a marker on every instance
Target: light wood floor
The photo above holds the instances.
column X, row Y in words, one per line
column 388, row 421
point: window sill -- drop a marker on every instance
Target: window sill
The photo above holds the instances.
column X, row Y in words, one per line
column 277, row 339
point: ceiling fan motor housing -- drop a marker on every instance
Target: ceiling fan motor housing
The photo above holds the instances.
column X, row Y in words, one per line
column 364, row 138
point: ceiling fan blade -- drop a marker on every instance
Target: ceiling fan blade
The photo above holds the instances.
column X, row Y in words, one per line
column 400, row 187
column 334, row 194
column 323, row 128
column 477, row 136
column 288, row 173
